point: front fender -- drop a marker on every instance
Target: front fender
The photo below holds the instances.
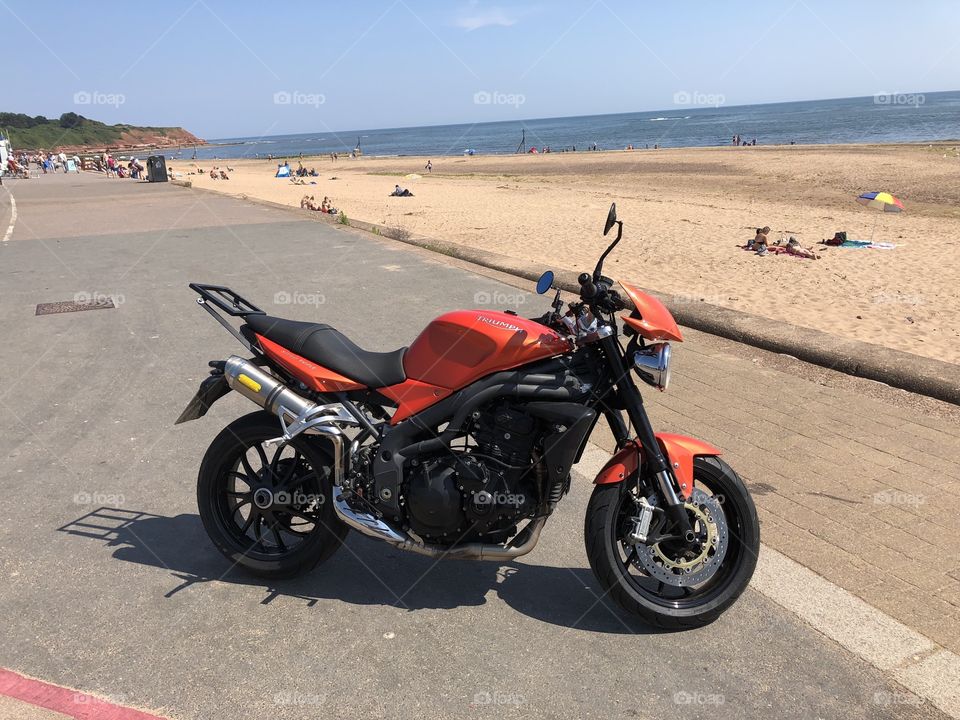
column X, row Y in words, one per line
column 679, row 450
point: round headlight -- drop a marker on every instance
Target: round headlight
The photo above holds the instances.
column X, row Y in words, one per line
column 652, row 364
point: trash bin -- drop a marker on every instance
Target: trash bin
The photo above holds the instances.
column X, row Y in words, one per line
column 156, row 169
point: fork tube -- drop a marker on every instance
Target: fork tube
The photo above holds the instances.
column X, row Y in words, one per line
column 657, row 464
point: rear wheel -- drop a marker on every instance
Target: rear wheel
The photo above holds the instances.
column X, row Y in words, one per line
column 267, row 507
column 675, row 584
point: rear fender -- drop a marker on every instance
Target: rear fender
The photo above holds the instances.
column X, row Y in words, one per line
column 211, row 389
column 679, row 450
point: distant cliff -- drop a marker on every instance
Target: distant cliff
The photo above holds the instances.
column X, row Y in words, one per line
column 78, row 134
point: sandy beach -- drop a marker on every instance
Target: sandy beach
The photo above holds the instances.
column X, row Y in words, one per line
column 685, row 213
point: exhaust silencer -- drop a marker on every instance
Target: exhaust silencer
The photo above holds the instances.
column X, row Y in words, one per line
column 265, row 390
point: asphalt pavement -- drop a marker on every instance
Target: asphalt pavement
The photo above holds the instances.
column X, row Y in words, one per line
column 111, row 586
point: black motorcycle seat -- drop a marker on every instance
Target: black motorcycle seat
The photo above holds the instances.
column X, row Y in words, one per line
column 332, row 349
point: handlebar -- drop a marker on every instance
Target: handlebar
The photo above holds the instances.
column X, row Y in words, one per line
column 600, row 294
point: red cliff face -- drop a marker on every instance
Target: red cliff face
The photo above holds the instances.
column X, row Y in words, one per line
column 140, row 138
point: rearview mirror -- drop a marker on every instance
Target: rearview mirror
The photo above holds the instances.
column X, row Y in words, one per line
column 545, row 282
column 611, row 218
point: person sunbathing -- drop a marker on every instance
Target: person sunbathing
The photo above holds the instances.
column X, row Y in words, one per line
column 401, row 192
column 223, row 175
column 795, row 248
column 760, row 242
column 213, row 175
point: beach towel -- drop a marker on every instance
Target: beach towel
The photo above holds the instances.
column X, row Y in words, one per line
column 857, row 244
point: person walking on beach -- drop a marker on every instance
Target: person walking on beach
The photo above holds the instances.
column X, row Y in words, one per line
column 429, row 166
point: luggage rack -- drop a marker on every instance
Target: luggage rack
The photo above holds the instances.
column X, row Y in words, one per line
column 230, row 302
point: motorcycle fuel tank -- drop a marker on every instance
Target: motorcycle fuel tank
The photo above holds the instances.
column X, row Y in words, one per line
column 461, row 347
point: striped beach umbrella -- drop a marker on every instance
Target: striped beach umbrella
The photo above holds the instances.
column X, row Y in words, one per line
column 881, row 201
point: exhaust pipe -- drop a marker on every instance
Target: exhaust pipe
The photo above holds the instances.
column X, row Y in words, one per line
column 265, row 390
column 298, row 414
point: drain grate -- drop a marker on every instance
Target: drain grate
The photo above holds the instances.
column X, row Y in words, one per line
column 67, row 306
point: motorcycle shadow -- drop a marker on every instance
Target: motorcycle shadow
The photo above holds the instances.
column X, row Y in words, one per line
column 362, row 572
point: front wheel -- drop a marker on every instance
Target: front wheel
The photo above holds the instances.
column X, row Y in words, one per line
column 267, row 506
column 675, row 584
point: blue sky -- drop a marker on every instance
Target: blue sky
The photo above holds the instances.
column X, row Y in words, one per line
column 241, row 68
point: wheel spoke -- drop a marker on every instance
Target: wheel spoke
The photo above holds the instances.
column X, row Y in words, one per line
column 238, row 506
column 237, row 493
column 289, row 475
column 292, row 482
column 631, row 556
column 276, row 536
column 244, row 478
column 256, row 531
column 247, row 466
column 264, row 463
column 248, row 523
column 309, row 518
column 289, row 529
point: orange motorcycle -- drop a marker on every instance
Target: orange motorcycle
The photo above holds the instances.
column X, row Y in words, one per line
column 462, row 444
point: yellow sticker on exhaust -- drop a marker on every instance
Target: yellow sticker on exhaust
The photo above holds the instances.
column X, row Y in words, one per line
column 248, row 382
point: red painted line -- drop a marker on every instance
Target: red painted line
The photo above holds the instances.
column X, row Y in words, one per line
column 73, row 703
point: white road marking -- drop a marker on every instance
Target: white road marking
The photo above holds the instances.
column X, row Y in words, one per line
column 926, row 669
column 13, row 217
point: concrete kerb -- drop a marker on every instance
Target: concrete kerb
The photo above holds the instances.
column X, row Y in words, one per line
column 899, row 369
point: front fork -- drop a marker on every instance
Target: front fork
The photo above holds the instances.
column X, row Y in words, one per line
column 657, row 464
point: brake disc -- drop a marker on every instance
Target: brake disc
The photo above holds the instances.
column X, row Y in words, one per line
column 695, row 562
